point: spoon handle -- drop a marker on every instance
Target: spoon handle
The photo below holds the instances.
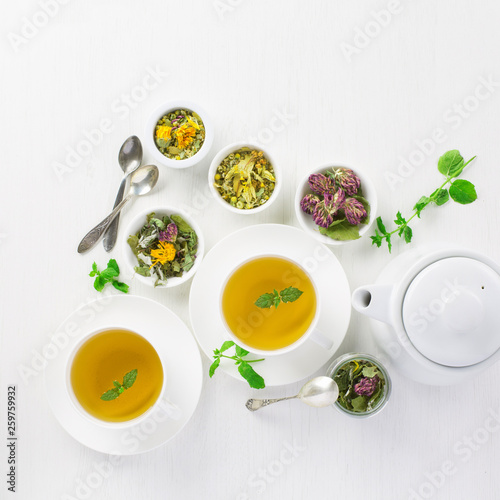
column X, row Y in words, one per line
column 112, row 231
column 257, row 404
column 92, row 237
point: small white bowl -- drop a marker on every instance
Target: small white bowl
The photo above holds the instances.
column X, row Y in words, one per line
column 135, row 225
column 217, row 161
column 306, row 221
column 165, row 108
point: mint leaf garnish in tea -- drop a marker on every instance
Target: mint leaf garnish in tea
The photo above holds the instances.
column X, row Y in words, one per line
column 267, row 300
column 451, row 165
column 246, row 370
column 109, row 275
column 128, row 382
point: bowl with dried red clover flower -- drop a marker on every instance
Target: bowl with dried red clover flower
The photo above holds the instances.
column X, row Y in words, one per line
column 335, row 204
column 244, row 179
column 363, row 382
column 179, row 134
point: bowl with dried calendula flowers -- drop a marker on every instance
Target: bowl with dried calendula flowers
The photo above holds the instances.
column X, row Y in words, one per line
column 336, row 204
column 179, row 134
column 244, row 178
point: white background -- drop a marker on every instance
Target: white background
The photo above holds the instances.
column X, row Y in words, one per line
column 245, row 63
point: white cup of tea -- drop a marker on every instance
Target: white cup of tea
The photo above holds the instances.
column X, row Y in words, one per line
column 270, row 331
column 100, row 363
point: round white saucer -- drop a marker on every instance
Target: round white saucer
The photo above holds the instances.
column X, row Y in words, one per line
column 180, row 358
column 334, row 297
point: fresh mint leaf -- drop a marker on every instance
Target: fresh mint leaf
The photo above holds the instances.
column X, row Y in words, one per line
column 121, row 287
column 99, row 283
column 290, row 294
column 276, row 299
column 451, row 163
column 381, row 226
column 112, row 264
column 110, row 395
column 408, row 234
column 255, row 381
column 240, row 351
column 377, row 239
column 440, row 197
column 388, row 239
column 129, row 379
column 463, row 192
column 421, row 204
column 109, row 273
column 265, row 301
column 214, row 367
column 226, row 345
column 399, row 219
column 117, row 384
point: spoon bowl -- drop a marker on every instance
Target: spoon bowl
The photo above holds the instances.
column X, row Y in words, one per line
column 130, row 159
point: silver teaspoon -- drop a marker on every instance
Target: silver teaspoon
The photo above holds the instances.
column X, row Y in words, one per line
column 318, row 392
column 130, row 159
column 142, row 181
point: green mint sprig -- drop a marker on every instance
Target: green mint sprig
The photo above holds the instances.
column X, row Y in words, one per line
column 128, row 382
column 451, row 165
column 246, row 371
column 267, row 300
column 108, row 276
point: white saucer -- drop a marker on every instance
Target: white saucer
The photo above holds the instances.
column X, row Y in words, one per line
column 179, row 355
column 333, row 293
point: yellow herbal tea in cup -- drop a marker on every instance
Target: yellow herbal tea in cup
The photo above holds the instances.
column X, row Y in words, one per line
column 107, row 357
column 273, row 328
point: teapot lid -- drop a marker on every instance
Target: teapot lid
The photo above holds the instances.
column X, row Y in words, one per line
column 451, row 311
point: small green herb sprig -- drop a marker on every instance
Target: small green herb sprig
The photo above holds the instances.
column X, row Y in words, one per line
column 246, row 371
column 108, row 276
column 451, row 165
column 128, row 382
column 267, row 300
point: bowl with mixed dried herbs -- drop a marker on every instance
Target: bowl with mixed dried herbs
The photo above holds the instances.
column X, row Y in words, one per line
column 179, row 134
column 244, row 179
column 336, row 204
column 164, row 247
column 363, row 382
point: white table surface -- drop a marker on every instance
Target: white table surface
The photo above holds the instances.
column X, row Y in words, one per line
column 246, row 62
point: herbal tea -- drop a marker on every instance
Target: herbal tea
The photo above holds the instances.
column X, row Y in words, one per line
column 109, row 357
column 274, row 327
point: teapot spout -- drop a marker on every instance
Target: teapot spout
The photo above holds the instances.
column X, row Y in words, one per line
column 374, row 301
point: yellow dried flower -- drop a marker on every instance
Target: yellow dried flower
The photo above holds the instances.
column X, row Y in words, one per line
column 184, row 136
column 163, row 254
column 164, row 132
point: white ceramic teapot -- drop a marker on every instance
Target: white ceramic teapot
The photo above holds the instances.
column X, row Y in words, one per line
column 437, row 313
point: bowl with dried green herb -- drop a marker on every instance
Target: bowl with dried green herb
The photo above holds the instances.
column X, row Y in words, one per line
column 336, row 204
column 363, row 382
column 244, row 178
column 164, row 247
column 179, row 134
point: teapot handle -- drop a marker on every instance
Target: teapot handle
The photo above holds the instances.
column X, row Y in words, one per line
column 374, row 301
